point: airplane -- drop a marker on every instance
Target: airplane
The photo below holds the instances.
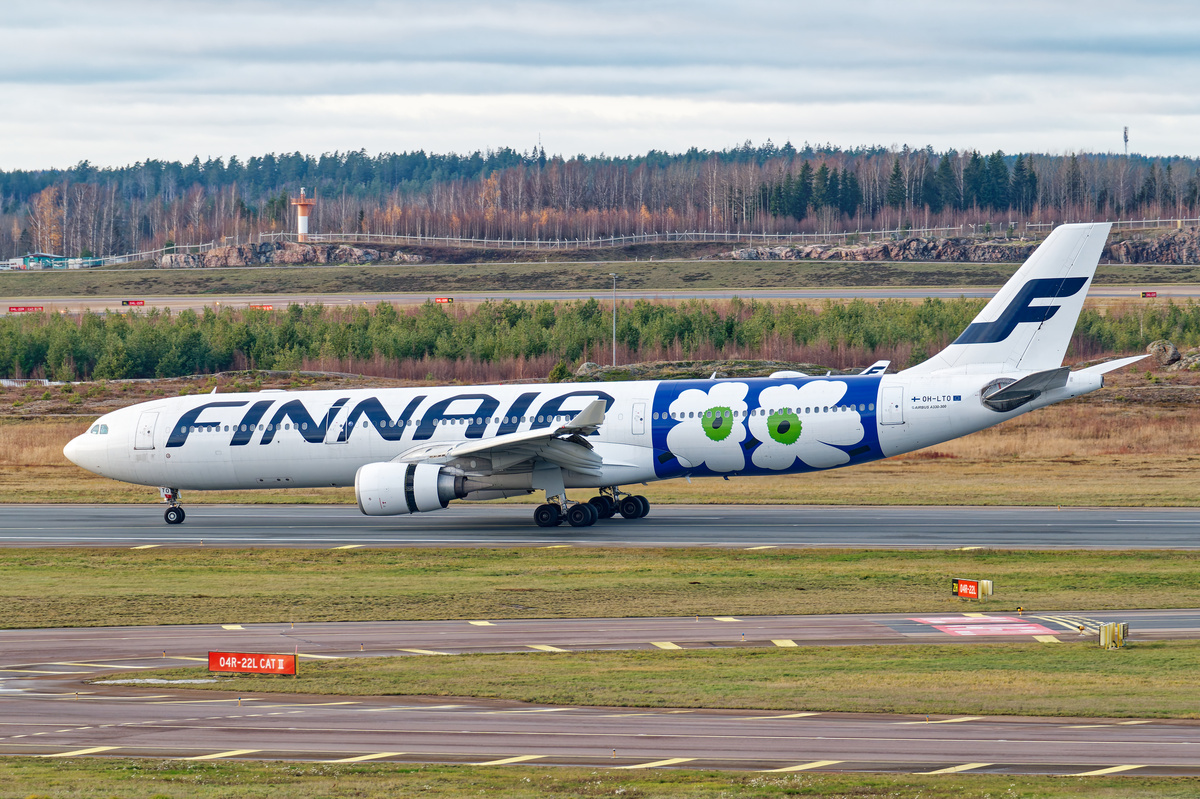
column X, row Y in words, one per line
column 413, row 450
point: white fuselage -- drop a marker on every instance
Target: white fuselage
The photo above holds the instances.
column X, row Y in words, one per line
column 652, row 430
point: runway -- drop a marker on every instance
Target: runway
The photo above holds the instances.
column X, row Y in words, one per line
column 281, row 301
column 726, row 526
column 48, row 709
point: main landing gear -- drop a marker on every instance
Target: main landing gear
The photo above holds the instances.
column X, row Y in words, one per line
column 174, row 513
column 608, row 503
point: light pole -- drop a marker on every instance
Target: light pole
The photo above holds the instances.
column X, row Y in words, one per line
column 613, row 275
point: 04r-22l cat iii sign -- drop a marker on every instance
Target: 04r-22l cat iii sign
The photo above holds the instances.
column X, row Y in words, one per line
column 413, row 450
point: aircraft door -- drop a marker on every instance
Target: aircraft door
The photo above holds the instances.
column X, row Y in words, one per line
column 891, row 405
column 145, row 430
column 337, row 433
column 639, row 418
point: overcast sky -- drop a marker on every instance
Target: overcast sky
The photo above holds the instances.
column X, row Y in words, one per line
column 117, row 82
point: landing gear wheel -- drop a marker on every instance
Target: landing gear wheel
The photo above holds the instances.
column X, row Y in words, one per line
column 645, row 503
column 582, row 514
column 605, row 505
column 547, row 516
column 631, row 508
column 174, row 515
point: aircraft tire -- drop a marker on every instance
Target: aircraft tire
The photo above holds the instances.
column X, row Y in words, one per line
column 605, row 506
column 174, row 515
column 645, row 503
column 582, row 514
column 547, row 515
column 631, row 508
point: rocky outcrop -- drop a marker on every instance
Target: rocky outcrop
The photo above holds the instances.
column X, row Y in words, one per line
column 1188, row 361
column 1179, row 247
column 1176, row 247
column 960, row 250
column 286, row 253
column 1164, row 352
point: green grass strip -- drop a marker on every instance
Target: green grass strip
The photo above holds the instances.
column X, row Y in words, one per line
column 105, row 587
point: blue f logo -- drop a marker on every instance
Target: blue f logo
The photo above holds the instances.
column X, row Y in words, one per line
column 1019, row 310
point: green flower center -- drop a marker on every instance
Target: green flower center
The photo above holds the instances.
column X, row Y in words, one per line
column 717, row 423
column 784, row 427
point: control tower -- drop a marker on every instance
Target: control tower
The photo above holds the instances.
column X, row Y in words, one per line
column 303, row 206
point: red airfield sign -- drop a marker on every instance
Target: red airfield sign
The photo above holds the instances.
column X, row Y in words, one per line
column 967, row 589
column 251, row 662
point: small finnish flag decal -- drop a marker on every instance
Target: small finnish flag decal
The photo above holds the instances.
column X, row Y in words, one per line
column 958, row 397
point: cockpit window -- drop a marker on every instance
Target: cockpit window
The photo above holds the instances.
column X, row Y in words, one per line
column 95, row 429
column 103, row 429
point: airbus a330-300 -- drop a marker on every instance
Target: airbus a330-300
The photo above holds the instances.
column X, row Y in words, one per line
column 413, row 450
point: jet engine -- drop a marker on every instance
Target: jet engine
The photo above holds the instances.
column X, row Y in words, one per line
column 390, row 489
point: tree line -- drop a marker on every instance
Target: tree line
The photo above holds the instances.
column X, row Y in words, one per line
column 506, row 194
column 88, row 345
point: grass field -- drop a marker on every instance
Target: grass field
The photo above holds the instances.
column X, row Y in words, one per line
column 103, row 778
column 104, row 587
column 535, row 277
column 1145, row 680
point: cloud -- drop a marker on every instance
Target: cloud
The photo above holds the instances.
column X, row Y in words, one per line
column 125, row 80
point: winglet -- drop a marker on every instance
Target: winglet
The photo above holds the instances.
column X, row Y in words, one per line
column 588, row 420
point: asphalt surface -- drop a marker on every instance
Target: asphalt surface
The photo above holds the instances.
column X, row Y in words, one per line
column 745, row 526
column 279, row 301
column 47, row 708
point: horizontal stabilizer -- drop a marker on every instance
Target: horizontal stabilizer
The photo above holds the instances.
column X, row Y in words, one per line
column 1028, row 388
column 1112, row 366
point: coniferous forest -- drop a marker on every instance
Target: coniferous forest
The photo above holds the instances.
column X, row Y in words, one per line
column 504, row 194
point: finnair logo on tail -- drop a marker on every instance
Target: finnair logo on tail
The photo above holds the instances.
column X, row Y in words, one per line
column 1020, row 310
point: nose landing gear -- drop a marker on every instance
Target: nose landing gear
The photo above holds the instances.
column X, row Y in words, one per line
column 174, row 513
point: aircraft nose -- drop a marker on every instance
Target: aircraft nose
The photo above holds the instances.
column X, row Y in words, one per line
column 73, row 450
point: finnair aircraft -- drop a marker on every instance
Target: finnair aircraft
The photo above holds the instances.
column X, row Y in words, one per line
column 413, row 450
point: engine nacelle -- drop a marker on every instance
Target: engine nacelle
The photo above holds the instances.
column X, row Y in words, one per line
column 390, row 489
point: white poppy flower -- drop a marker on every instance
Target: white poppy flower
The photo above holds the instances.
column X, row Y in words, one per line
column 789, row 432
column 709, row 429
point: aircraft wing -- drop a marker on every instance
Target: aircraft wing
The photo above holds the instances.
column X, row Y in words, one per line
column 565, row 445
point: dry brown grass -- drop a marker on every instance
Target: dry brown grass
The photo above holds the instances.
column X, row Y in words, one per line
column 37, row 443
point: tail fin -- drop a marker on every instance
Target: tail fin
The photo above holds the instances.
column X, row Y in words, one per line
column 1028, row 324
